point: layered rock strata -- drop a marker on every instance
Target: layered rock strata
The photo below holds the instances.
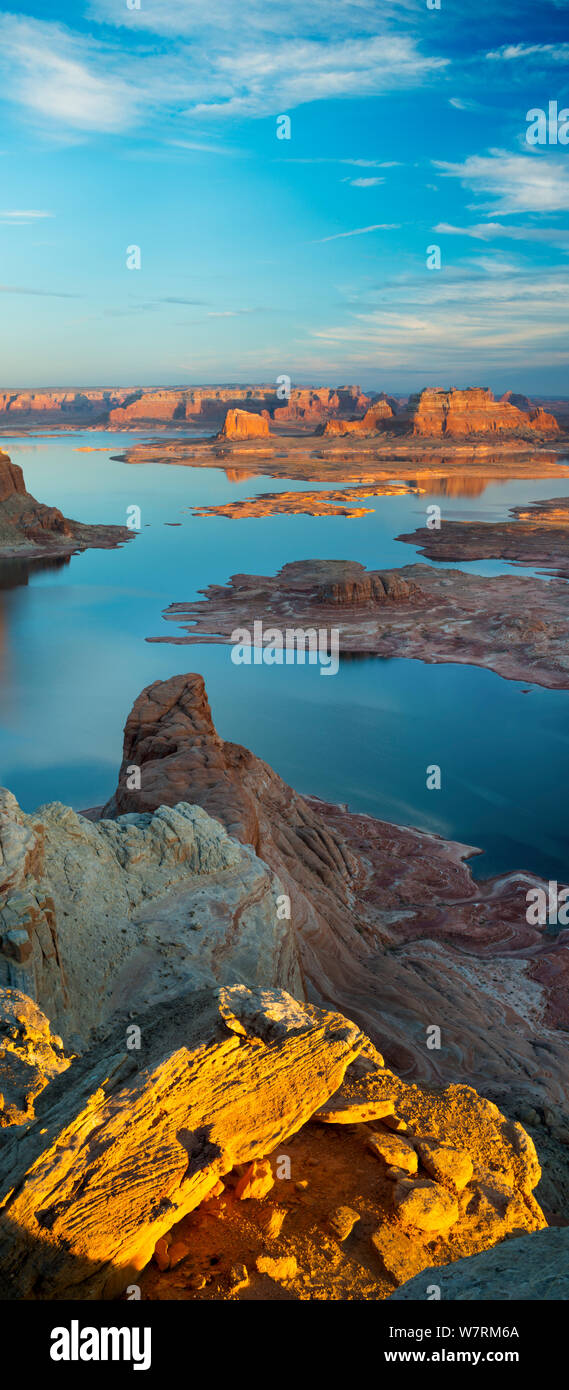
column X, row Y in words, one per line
column 32, row 529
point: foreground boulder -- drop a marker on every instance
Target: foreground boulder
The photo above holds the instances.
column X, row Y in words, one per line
column 205, row 1135
column 534, row 1268
column 129, row 1140
column 322, row 1215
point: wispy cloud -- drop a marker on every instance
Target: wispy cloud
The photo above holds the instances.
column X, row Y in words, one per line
column 358, row 231
column 516, row 182
column 469, row 321
column 491, row 231
column 557, row 52
column 83, row 84
column 363, row 183
column 22, row 218
column 47, row 294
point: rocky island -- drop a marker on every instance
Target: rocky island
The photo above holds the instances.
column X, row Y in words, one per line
column 518, row 627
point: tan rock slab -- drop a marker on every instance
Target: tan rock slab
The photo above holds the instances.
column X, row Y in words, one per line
column 425, row 1205
column 132, row 1142
column 446, row 1163
column 395, row 1150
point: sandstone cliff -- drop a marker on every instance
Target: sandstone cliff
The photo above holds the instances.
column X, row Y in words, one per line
column 372, row 421
column 453, row 413
column 244, row 424
column 32, row 530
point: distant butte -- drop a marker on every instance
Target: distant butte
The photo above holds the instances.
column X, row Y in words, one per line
column 341, row 410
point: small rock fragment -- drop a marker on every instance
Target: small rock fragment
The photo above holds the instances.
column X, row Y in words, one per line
column 425, row 1205
column 402, row 1256
column 342, row 1222
column 395, row 1150
column 446, row 1163
column 256, row 1181
column 238, row 1277
column 395, row 1122
column 280, row 1269
column 177, row 1252
column 271, row 1220
column 161, row 1254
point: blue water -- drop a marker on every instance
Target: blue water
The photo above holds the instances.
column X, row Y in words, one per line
column 74, row 658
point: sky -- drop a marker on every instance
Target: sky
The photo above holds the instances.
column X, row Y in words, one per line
column 157, row 127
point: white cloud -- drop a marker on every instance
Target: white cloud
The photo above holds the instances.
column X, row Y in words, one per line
column 491, row 231
column 517, row 182
column 254, row 18
column 470, row 322
column 54, row 75
column 359, row 231
column 22, row 219
column 364, row 183
column 79, row 83
column 559, row 52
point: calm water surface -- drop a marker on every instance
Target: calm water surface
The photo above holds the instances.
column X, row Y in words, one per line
column 73, row 659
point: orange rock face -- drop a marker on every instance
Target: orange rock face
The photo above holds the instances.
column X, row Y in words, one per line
column 456, row 413
column 371, row 421
column 243, row 424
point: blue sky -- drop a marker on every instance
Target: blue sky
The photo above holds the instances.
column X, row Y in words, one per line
column 157, row 127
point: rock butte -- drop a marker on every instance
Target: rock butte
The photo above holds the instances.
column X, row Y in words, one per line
column 245, row 424
column 518, row 627
column 32, row 530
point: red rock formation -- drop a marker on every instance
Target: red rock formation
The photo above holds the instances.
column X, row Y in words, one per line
column 314, row 405
column 390, row 926
column 453, row 413
column 513, row 398
column 371, row 421
column 542, row 421
column 11, row 479
column 31, row 529
column 518, row 627
column 66, row 406
column 243, row 424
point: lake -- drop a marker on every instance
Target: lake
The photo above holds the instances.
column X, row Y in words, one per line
column 74, row 657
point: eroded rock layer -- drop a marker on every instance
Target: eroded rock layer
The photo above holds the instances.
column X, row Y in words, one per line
column 29, row 528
